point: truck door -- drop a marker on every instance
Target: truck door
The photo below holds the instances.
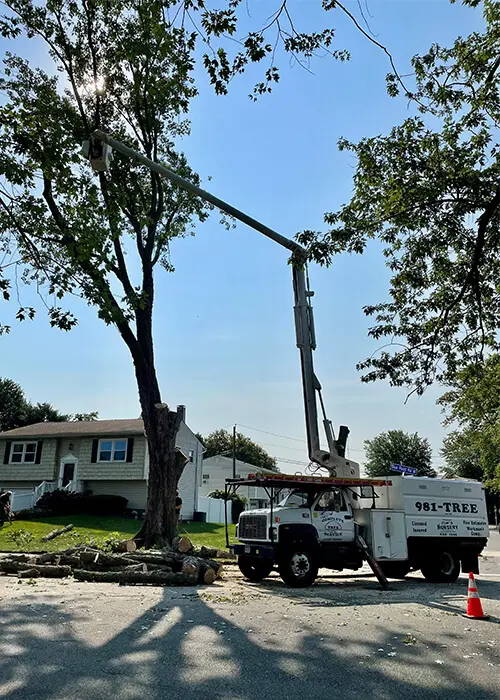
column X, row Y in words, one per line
column 332, row 517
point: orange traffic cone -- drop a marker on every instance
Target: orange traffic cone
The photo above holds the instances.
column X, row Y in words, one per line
column 474, row 607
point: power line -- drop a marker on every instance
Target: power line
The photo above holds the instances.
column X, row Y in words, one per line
column 266, row 432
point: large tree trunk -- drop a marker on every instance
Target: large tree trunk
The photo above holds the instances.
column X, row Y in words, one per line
column 161, row 425
column 165, row 464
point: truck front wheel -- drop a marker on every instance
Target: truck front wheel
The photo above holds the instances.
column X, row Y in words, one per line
column 255, row 569
column 298, row 568
column 441, row 567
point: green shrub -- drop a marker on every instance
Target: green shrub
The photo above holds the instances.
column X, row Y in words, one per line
column 20, row 537
column 60, row 502
column 103, row 504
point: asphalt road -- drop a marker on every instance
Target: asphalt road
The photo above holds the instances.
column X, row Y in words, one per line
column 342, row 638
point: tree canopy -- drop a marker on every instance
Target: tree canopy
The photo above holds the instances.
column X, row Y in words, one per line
column 220, row 442
column 429, row 193
column 472, row 450
column 16, row 411
column 398, row 447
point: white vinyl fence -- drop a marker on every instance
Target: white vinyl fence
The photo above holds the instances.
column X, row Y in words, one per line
column 214, row 508
column 22, row 500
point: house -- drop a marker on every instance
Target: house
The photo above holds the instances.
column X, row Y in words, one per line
column 219, row 468
column 104, row 456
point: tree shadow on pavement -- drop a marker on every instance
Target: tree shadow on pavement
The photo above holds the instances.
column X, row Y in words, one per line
column 343, row 590
column 193, row 645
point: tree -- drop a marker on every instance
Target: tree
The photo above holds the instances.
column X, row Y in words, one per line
column 398, row 447
column 220, row 442
column 473, row 403
column 429, row 192
column 12, row 405
column 127, row 70
column 16, row 411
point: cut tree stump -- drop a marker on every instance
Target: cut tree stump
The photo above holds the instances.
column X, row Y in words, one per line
column 55, row 533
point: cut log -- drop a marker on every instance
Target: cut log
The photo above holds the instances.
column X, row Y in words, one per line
column 55, row 533
column 157, row 578
column 21, row 558
column 224, row 554
column 124, row 546
column 209, row 576
column 102, row 560
column 136, row 567
column 48, row 558
column 183, row 545
column 207, row 553
column 147, row 558
column 45, row 570
column 70, row 560
column 97, row 576
column 191, row 566
column 10, row 566
column 29, row 573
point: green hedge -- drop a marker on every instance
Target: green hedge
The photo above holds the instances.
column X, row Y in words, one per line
column 62, row 502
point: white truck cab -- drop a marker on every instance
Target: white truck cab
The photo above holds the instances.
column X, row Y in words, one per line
column 402, row 523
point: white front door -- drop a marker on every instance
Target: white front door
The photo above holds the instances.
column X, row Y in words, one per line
column 68, row 472
column 332, row 517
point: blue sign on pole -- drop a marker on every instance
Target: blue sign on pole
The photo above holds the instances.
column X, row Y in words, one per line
column 402, row 469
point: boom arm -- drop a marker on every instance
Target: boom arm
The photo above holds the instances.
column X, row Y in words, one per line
column 99, row 152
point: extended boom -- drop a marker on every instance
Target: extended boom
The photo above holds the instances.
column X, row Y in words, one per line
column 99, row 151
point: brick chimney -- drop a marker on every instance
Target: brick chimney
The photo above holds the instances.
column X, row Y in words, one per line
column 181, row 410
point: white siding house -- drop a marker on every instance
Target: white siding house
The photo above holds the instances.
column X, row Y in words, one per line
column 104, row 456
column 215, row 471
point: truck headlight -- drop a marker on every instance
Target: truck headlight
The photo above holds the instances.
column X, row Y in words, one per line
column 273, row 533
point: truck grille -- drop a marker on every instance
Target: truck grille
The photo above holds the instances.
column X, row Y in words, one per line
column 252, row 527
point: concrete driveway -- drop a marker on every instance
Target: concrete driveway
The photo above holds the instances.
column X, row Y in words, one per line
column 342, row 638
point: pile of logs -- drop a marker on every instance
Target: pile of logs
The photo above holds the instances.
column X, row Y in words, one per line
column 179, row 565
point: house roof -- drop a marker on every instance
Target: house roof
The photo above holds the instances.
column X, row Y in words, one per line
column 122, row 426
column 228, row 461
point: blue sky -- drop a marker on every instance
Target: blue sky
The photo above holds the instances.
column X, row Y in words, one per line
column 224, row 333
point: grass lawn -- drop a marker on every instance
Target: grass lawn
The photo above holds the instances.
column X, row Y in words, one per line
column 25, row 535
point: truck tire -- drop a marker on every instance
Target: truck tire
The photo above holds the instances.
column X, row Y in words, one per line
column 441, row 567
column 255, row 569
column 395, row 569
column 298, row 568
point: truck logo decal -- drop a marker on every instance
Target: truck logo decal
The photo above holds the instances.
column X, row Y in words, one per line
column 446, row 507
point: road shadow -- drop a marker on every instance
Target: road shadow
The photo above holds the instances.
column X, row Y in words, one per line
column 341, row 590
column 182, row 647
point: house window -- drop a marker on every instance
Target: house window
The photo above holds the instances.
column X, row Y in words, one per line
column 112, row 450
column 191, row 455
column 23, row 453
column 206, row 476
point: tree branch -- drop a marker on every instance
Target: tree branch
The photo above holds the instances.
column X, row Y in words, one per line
column 71, row 245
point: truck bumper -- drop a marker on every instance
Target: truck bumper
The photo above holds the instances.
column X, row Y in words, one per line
column 263, row 551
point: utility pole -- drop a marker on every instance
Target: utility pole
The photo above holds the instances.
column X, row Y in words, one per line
column 234, row 452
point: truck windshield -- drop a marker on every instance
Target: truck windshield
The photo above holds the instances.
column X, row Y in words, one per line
column 296, row 498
